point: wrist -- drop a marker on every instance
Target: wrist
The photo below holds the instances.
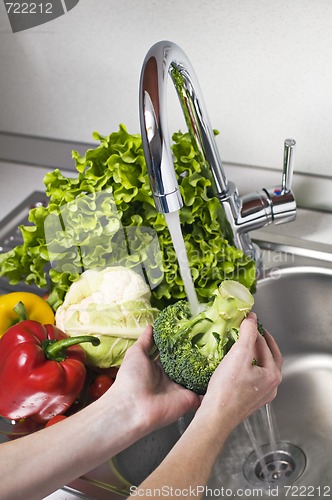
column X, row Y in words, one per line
column 114, row 417
column 220, row 415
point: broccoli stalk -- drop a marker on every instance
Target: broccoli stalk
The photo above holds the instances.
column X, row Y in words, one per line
column 191, row 347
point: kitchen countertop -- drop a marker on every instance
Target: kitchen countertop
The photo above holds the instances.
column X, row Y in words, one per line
column 309, row 225
column 18, row 181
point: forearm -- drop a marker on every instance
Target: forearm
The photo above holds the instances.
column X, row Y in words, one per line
column 48, row 459
column 189, row 464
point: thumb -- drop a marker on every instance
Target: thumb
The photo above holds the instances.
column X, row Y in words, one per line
column 145, row 340
column 248, row 331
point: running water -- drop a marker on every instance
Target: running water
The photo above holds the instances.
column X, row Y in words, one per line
column 261, row 427
column 272, row 429
column 173, row 223
column 257, row 446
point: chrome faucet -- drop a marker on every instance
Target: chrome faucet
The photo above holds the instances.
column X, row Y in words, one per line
column 244, row 213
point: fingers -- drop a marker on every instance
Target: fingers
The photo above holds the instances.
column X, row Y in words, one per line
column 267, row 351
column 273, row 346
column 263, row 354
column 243, row 351
column 269, row 359
column 264, row 349
column 145, row 340
column 248, row 331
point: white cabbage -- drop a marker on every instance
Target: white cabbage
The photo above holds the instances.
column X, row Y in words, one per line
column 112, row 304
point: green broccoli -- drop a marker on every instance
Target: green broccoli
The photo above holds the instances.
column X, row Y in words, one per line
column 191, row 347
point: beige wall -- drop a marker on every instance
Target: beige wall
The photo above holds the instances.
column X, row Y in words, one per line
column 265, row 68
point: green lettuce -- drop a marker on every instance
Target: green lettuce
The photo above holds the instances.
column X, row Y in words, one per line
column 112, row 190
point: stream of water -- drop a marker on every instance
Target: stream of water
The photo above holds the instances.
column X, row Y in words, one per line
column 272, row 428
column 263, row 434
column 173, row 223
column 256, row 444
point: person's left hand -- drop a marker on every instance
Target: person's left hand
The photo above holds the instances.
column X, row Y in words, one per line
column 157, row 400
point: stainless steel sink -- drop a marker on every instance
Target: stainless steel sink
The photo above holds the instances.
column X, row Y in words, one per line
column 294, row 302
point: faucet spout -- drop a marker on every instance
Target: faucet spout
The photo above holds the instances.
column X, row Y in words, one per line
column 166, row 59
column 244, row 214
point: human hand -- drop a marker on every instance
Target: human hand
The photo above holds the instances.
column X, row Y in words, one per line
column 156, row 399
column 238, row 387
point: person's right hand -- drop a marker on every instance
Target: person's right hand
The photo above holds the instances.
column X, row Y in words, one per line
column 153, row 396
column 238, row 387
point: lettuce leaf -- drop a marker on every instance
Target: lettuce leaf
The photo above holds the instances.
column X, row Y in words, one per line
column 116, row 167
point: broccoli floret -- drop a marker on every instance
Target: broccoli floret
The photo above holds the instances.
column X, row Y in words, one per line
column 192, row 346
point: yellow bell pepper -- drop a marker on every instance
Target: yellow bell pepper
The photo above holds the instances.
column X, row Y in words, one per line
column 36, row 309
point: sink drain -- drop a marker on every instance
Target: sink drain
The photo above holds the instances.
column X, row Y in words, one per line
column 281, row 466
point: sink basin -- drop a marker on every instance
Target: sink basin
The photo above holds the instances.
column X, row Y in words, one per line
column 294, row 304
column 293, row 301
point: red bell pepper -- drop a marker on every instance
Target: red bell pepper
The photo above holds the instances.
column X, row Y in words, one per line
column 42, row 370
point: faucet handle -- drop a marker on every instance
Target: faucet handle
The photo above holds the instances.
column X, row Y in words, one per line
column 270, row 205
column 281, row 199
column 288, row 166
